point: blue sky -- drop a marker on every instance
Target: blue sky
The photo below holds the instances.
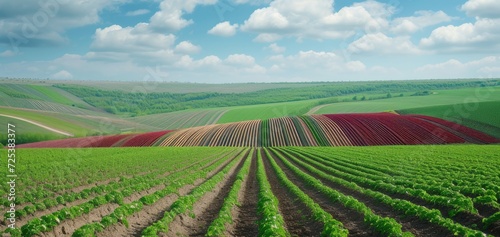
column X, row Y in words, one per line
column 231, row 41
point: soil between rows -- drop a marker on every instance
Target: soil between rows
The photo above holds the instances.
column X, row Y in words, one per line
column 207, row 208
column 152, row 213
column 245, row 215
column 298, row 218
column 473, row 221
column 67, row 227
column 412, row 224
column 352, row 220
column 23, row 220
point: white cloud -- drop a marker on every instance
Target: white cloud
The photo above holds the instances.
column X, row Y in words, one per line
column 316, row 61
column 233, row 65
column 253, row 2
column 137, row 12
column 275, row 48
column 316, row 19
column 267, row 37
column 44, row 23
column 481, row 36
column 130, row 39
column 422, row 19
column 224, row 29
column 482, row 8
column 240, row 59
column 62, row 75
column 170, row 16
column 453, row 68
column 8, row 53
column 381, row 44
column 186, row 47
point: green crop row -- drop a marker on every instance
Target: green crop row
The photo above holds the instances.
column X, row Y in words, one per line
column 315, row 130
column 224, row 217
column 185, row 203
column 48, row 222
column 456, row 185
column 458, row 202
column 406, row 207
column 385, row 226
column 172, row 184
column 331, row 227
column 271, row 222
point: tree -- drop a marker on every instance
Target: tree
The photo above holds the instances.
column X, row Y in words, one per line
column 363, row 98
column 389, row 95
column 355, row 97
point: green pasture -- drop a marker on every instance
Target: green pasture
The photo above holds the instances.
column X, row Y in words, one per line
column 441, row 97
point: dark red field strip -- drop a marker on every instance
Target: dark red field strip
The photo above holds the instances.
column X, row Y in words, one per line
column 393, row 129
column 365, row 129
column 144, row 139
column 94, row 141
column 460, row 128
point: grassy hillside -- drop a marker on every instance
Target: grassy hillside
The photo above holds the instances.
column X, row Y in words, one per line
column 133, row 103
column 482, row 116
column 78, row 125
column 26, row 132
column 180, row 119
column 441, row 97
column 266, row 111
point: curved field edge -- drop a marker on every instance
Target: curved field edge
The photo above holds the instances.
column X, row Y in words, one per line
column 439, row 97
column 314, row 130
column 482, row 116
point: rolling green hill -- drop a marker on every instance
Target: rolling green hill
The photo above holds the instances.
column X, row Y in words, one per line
column 482, row 116
column 84, row 109
column 180, row 119
column 441, row 97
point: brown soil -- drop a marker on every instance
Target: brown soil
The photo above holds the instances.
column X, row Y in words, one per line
column 147, row 216
column 206, row 209
column 412, row 224
column 152, row 213
column 67, row 227
column 245, row 215
column 467, row 219
column 352, row 220
column 297, row 216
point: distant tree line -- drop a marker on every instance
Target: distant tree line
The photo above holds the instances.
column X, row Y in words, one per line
column 134, row 104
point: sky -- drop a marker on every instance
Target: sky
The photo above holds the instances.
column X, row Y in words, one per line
column 233, row 41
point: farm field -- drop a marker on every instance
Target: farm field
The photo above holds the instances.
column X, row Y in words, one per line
column 53, row 106
column 442, row 97
column 267, row 111
column 31, row 133
column 182, row 119
column 314, row 130
column 336, row 191
column 482, row 116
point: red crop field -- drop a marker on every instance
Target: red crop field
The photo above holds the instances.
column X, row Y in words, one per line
column 316, row 130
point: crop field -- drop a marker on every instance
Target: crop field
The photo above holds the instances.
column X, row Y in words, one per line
column 267, row 111
column 183, row 119
column 440, row 191
column 253, row 162
column 31, row 133
column 314, row 130
column 482, row 116
column 442, row 97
